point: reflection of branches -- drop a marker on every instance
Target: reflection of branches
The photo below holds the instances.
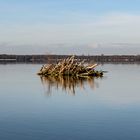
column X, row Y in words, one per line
column 67, row 83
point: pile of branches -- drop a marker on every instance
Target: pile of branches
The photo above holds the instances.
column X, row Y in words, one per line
column 69, row 67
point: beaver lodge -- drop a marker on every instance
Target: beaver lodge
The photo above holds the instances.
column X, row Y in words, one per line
column 70, row 67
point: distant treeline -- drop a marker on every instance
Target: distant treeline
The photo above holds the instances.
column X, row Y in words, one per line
column 55, row 58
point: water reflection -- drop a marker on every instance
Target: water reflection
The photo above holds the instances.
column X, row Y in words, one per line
column 68, row 84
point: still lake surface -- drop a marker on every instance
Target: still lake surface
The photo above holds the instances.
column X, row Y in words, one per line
column 105, row 108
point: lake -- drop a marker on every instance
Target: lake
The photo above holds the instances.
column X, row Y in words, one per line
column 33, row 108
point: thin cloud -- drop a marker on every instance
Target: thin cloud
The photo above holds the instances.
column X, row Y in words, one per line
column 105, row 29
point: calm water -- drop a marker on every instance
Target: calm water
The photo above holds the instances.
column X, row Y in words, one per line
column 105, row 108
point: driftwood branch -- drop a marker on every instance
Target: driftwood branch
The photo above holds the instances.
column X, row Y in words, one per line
column 70, row 67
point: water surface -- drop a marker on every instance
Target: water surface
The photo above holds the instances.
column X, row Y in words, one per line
column 105, row 108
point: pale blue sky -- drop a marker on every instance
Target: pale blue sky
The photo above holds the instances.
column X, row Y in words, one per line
column 47, row 24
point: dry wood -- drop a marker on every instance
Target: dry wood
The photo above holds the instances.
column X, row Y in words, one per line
column 69, row 67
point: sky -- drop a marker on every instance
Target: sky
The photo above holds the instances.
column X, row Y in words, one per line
column 70, row 26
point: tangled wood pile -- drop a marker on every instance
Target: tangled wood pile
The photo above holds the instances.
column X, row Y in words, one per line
column 70, row 67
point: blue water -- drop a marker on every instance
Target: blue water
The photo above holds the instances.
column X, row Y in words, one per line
column 105, row 108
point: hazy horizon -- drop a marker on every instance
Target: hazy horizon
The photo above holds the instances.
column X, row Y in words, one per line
column 70, row 27
column 76, row 49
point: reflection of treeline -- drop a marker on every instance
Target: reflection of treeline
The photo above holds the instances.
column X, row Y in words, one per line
column 67, row 83
column 56, row 58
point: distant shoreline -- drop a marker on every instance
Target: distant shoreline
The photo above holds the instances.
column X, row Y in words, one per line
column 6, row 58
